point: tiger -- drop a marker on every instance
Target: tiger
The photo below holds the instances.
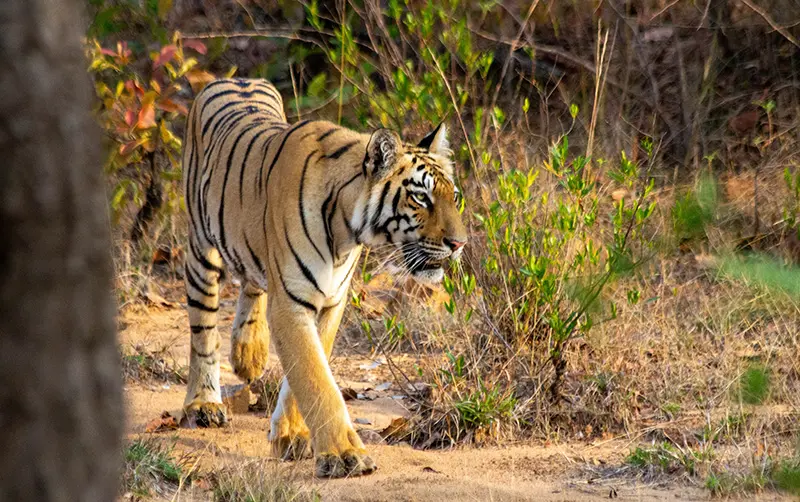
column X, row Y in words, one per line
column 287, row 209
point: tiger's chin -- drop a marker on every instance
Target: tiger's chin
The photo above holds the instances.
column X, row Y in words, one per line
column 432, row 275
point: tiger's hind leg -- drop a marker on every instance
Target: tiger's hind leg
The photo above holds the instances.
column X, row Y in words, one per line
column 203, row 404
column 250, row 335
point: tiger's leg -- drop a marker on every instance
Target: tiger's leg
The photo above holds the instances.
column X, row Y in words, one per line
column 250, row 335
column 288, row 432
column 203, row 403
column 338, row 449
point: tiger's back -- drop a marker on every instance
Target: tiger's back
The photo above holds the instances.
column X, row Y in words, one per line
column 232, row 124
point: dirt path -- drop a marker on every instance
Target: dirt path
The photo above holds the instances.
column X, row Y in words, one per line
column 520, row 472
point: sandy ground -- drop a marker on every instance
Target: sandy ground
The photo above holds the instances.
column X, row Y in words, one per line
column 530, row 471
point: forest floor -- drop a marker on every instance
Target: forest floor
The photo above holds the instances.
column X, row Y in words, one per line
column 533, row 470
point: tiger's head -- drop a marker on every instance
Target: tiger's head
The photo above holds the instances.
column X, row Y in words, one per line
column 413, row 202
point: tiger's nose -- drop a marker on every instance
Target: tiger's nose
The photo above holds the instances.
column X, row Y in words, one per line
column 453, row 244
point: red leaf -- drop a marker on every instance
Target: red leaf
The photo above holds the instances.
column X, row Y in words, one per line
column 134, row 88
column 127, row 148
column 196, row 46
column 166, row 423
column 166, row 54
column 108, row 52
column 169, row 105
column 147, row 116
column 130, row 116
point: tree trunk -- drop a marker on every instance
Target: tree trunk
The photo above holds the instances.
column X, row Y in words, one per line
column 60, row 390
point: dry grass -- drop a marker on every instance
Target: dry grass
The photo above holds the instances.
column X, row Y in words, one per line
column 259, row 481
column 140, row 364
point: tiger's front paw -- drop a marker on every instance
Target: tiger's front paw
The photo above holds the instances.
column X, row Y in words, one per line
column 292, row 447
column 205, row 414
column 342, row 454
column 348, row 463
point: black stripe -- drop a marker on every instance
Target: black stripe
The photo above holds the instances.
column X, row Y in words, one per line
column 202, row 259
column 207, row 123
column 341, row 150
column 303, row 268
column 295, row 299
column 204, row 354
column 377, row 214
column 197, row 276
column 396, row 200
column 199, row 305
column 291, row 131
column 244, row 163
column 364, row 165
column 197, row 286
column 266, row 152
column 329, row 220
column 189, row 170
column 328, row 133
column 338, row 191
column 221, row 213
column 326, row 221
column 215, row 83
column 199, row 329
column 300, row 205
column 258, row 263
column 227, row 126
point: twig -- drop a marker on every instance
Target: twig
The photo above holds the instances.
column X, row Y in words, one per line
column 665, row 9
column 775, row 26
column 455, row 108
column 341, row 69
column 562, row 54
column 599, row 84
column 511, row 49
column 294, row 90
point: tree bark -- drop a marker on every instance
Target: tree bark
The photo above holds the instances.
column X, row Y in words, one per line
column 60, row 389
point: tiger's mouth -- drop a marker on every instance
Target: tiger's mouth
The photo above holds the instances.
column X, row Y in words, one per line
column 423, row 267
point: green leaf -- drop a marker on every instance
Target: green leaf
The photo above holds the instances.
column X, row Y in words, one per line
column 573, row 110
column 317, row 85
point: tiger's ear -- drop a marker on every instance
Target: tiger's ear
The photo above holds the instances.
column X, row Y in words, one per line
column 436, row 140
column 383, row 150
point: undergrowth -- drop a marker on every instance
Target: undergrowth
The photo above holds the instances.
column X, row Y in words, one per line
column 629, row 262
column 151, row 470
column 142, row 365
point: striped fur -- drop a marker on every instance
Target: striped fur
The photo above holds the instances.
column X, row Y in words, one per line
column 286, row 209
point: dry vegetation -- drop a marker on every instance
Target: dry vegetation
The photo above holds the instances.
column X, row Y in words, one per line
column 632, row 186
